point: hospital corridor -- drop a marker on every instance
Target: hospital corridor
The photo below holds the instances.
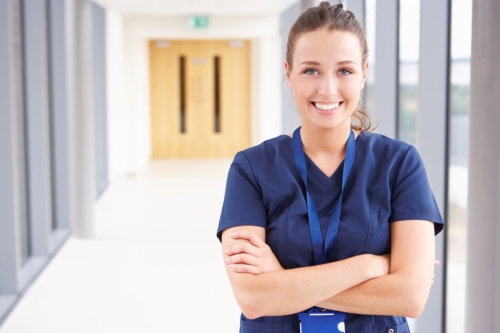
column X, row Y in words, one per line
column 153, row 265
column 119, row 120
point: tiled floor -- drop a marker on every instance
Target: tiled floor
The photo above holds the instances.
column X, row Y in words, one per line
column 153, row 266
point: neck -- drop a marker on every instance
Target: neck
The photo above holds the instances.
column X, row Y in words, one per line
column 320, row 142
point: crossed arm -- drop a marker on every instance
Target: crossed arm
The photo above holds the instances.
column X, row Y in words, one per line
column 364, row 284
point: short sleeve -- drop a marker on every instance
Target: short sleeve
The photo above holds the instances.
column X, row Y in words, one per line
column 412, row 197
column 243, row 203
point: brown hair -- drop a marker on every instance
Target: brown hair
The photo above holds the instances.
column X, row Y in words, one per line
column 332, row 18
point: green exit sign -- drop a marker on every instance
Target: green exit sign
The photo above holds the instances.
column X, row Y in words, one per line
column 199, row 22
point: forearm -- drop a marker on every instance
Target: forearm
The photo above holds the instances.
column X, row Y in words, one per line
column 404, row 291
column 290, row 291
column 396, row 294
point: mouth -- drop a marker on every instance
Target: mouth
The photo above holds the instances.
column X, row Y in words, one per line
column 327, row 106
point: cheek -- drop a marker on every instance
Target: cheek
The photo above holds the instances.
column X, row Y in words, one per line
column 301, row 89
column 353, row 89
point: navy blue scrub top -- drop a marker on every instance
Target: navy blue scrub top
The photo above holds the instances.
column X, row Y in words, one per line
column 388, row 183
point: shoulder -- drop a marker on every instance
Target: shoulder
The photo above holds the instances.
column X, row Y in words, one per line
column 268, row 147
column 381, row 143
column 265, row 159
column 379, row 152
column 269, row 151
column 268, row 166
column 378, row 147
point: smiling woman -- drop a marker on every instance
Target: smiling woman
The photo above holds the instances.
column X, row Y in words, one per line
column 327, row 77
column 329, row 218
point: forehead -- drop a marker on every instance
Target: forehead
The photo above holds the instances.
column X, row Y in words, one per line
column 327, row 45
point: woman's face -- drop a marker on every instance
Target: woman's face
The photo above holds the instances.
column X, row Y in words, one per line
column 327, row 77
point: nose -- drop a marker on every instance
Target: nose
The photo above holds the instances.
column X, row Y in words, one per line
column 328, row 86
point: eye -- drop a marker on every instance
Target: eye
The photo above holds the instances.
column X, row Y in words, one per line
column 345, row 72
column 310, row 71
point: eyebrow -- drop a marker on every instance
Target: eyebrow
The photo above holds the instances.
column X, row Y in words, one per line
column 315, row 63
column 309, row 63
column 347, row 62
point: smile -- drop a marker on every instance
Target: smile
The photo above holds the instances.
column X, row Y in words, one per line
column 326, row 107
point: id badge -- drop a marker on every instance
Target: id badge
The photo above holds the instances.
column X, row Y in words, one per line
column 316, row 320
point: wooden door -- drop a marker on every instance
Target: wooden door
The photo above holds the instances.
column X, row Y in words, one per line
column 200, row 98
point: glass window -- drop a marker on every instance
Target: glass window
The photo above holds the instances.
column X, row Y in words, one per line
column 461, row 28
column 99, row 94
column 370, row 28
column 409, row 40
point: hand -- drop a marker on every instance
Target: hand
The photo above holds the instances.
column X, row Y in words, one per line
column 250, row 254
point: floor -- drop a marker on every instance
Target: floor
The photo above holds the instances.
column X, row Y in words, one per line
column 153, row 265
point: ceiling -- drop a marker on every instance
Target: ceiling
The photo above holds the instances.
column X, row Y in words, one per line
column 197, row 7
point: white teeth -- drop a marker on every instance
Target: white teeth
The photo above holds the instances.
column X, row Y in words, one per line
column 327, row 106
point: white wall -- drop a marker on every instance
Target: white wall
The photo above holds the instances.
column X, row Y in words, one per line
column 128, row 75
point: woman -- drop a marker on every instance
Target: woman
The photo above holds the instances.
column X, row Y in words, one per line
column 334, row 220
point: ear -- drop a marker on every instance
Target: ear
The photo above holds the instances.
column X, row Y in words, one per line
column 287, row 73
column 365, row 74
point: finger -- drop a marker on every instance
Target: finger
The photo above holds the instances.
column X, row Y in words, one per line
column 240, row 234
column 242, row 268
column 249, row 236
column 248, row 239
column 243, row 247
column 243, row 258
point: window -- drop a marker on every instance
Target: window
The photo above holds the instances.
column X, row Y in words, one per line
column 370, row 26
column 409, row 39
column 461, row 27
column 32, row 62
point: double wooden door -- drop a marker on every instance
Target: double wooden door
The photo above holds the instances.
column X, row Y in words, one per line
column 200, row 98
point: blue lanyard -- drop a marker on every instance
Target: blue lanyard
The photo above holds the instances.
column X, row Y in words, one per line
column 320, row 247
